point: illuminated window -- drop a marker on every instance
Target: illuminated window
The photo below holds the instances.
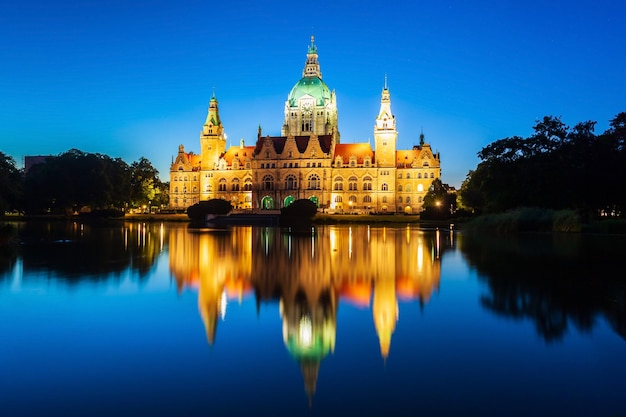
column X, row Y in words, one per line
column 291, row 182
column 268, row 182
column 338, row 199
column 367, row 183
column 314, row 182
column 352, row 184
column 367, row 199
column 338, row 184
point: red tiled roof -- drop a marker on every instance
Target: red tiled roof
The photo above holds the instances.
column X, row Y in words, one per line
column 238, row 152
column 360, row 150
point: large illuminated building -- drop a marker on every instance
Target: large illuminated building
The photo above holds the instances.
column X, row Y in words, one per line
column 307, row 161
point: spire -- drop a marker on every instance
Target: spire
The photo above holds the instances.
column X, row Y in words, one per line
column 312, row 67
column 422, row 137
column 213, row 115
column 385, row 120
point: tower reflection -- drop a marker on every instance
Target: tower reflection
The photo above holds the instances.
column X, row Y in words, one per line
column 309, row 273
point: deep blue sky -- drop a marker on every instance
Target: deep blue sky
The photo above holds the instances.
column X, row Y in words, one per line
column 134, row 78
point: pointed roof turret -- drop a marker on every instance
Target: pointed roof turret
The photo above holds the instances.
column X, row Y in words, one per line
column 312, row 66
column 385, row 120
column 213, row 115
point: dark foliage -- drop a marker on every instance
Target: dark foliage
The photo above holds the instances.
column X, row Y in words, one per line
column 75, row 180
column 300, row 211
column 10, row 184
column 557, row 167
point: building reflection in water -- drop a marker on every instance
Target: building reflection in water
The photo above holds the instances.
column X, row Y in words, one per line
column 308, row 273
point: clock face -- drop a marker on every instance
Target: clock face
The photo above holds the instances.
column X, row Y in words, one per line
column 306, row 107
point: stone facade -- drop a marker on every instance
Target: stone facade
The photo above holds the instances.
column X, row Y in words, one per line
column 307, row 160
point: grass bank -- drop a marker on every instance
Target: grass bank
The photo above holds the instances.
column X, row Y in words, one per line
column 529, row 219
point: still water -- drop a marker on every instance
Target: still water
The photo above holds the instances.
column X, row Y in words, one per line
column 158, row 319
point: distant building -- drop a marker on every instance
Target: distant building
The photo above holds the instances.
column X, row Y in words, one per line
column 29, row 161
column 307, row 160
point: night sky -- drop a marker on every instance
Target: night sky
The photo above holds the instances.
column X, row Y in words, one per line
column 134, row 78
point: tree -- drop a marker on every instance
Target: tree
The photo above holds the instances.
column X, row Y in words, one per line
column 438, row 202
column 144, row 182
column 10, row 184
column 215, row 206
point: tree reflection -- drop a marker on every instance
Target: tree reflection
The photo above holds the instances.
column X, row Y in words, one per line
column 74, row 251
column 554, row 280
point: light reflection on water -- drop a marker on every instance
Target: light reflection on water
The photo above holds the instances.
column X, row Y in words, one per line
column 376, row 318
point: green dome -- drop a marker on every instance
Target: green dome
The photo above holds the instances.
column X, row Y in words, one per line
column 313, row 86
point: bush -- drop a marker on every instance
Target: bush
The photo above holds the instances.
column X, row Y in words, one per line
column 300, row 211
column 201, row 210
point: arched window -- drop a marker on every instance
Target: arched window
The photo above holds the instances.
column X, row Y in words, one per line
column 314, row 182
column 195, row 189
column 408, row 188
column 399, row 188
column 419, row 175
column 399, row 199
column 367, row 199
column 338, row 199
column 408, row 200
column 352, row 199
column 222, row 185
column 267, row 183
column 175, row 189
column 291, row 182
column 384, row 199
column 408, row 175
column 247, row 185
column 432, row 175
column 352, row 184
column 338, row 184
column 367, row 184
column 235, row 185
column 384, row 187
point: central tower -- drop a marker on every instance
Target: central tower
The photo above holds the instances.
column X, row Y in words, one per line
column 311, row 107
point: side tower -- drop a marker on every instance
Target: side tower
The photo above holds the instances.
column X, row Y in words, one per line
column 311, row 107
column 385, row 138
column 212, row 146
column 212, row 138
column 385, row 133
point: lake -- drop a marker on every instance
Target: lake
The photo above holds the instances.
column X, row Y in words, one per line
column 161, row 319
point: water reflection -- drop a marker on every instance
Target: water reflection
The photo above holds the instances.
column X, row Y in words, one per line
column 73, row 251
column 554, row 280
column 308, row 273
